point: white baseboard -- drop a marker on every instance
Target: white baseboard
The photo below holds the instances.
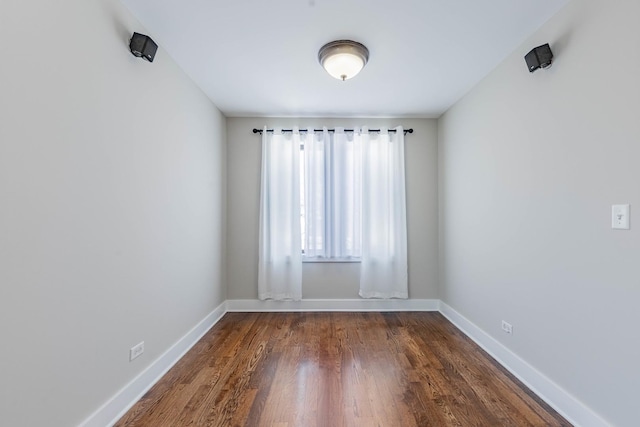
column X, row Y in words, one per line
column 109, row 413
column 254, row 305
column 559, row 399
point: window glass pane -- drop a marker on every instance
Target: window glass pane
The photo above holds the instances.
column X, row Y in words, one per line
column 330, row 183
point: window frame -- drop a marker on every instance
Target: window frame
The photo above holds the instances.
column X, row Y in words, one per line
column 314, row 259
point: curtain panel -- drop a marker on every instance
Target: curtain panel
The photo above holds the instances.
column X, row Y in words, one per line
column 279, row 252
column 383, row 267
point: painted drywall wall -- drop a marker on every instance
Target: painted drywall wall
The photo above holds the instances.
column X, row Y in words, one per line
column 112, row 204
column 329, row 280
column 530, row 165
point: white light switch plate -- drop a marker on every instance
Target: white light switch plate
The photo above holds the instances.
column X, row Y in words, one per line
column 620, row 217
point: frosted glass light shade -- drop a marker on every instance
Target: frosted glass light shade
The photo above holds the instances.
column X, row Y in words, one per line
column 343, row 59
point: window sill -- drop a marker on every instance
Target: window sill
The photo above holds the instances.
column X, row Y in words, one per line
column 332, row 260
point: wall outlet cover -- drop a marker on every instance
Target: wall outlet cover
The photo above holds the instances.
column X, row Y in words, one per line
column 506, row 327
column 620, row 217
column 136, row 350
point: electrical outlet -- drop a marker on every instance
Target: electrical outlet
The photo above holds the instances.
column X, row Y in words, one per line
column 136, row 351
column 507, row 327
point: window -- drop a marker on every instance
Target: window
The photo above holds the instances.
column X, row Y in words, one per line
column 353, row 208
column 330, row 196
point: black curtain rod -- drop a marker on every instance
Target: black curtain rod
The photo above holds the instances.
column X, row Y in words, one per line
column 406, row 131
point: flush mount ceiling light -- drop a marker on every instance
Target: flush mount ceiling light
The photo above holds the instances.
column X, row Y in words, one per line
column 343, row 59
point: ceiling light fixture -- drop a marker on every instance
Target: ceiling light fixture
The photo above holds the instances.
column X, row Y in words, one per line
column 343, row 59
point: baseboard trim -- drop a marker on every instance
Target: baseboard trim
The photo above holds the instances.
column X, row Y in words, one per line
column 109, row 413
column 576, row 412
column 254, row 305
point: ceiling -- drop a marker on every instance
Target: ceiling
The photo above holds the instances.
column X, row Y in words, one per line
column 259, row 57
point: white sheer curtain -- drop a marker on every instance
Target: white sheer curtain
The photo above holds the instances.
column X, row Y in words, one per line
column 279, row 253
column 332, row 194
column 383, row 268
column 354, row 208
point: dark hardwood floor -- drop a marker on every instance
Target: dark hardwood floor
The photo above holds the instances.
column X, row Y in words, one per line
column 338, row 369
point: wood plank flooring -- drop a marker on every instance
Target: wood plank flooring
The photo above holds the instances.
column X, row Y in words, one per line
column 338, row 369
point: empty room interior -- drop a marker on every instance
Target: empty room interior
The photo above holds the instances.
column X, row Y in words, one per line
column 161, row 212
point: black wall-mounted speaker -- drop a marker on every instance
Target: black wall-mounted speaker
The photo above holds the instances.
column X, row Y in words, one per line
column 143, row 46
column 539, row 57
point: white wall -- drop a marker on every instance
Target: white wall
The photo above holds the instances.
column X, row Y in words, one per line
column 530, row 165
column 330, row 280
column 112, row 205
